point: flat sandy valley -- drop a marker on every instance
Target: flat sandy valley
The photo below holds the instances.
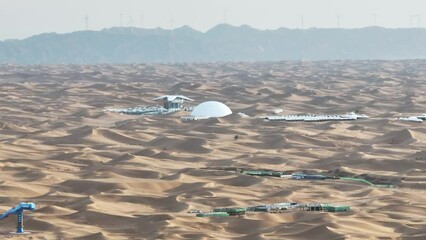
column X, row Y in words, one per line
column 101, row 175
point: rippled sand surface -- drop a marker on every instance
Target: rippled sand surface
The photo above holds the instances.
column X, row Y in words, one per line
column 99, row 175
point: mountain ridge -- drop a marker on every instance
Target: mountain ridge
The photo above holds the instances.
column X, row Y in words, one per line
column 221, row 43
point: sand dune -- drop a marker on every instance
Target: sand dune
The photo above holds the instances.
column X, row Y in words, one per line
column 404, row 137
column 101, row 175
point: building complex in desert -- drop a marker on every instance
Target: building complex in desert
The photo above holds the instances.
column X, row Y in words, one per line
column 174, row 101
column 171, row 103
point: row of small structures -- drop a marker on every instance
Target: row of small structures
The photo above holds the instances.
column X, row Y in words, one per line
column 305, row 176
column 315, row 118
column 271, row 208
column 301, row 175
column 419, row 118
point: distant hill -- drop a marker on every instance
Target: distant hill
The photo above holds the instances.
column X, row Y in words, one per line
column 221, row 43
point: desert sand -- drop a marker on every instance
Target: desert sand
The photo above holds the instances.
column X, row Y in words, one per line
column 101, row 175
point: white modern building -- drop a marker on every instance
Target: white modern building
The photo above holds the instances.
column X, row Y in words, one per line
column 210, row 109
column 173, row 101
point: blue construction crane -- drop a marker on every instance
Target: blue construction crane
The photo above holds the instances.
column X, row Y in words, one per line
column 18, row 210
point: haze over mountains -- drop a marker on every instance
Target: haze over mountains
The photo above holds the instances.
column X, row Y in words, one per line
column 221, row 43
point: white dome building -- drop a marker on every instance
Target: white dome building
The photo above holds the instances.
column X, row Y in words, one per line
column 211, row 109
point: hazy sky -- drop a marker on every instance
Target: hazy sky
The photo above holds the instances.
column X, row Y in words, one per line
column 23, row 18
